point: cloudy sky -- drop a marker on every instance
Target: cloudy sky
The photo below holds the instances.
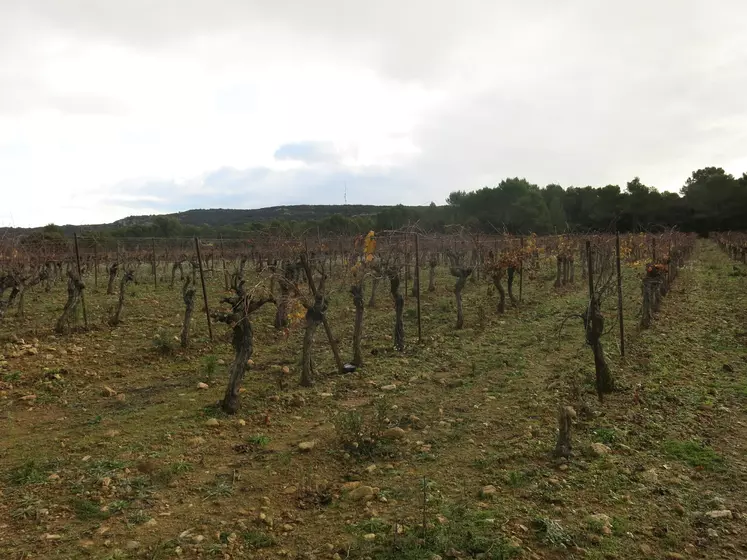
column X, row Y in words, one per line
column 116, row 107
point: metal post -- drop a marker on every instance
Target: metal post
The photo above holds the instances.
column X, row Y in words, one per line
column 204, row 291
column 591, row 268
column 521, row 269
column 153, row 255
column 82, row 297
column 620, row 296
column 223, row 258
column 95, row 265
column 417, row 284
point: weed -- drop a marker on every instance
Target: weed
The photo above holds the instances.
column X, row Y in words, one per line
column 138, row 518
column 518, row 479
column 164, row 343
column 694, row 454
column 258, row 539
column 259, row 440
column 605, row 435
column 209, row 364
column 218, row 489
column 551, row 532
column 105, row 467
column 180, row 467
column 29, row 473
column 86, row 509
column 11, row 376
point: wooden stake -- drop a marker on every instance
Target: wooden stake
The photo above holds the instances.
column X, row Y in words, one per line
column 204, row 291
column 417, row 284
column 82, row 295
column 620, row 295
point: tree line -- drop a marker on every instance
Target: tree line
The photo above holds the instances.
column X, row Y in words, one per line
column 710, row 200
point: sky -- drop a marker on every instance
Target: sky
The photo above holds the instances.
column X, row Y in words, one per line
column 110, row 108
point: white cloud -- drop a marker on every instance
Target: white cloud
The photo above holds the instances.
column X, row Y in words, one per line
column 416, row 98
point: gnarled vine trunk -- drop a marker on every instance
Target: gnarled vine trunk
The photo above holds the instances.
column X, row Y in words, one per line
column 116, row 316
column 511, row 271
column 357, row 291
column 188, row 295
column 594, row 325
column 74, row 293
column 314, row 318
column 497, row 276
column 399, row 308
column 374, row 286
column 242, row 341
column 112, row 270
column 563, row 446
column 432, row 274
column 558, row 272
column 461, row 275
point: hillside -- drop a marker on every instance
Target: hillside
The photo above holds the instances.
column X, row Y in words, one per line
column 217, row 217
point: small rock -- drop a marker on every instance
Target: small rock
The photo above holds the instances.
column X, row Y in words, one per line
column 488, row 491
column 712, row 533
column 120, row 397
column 307, row 446
column 221, row 362
column 602, row 523
column 393, row 433
column 351, row 485
column 51, row 537
column 203, row 386
column 645, row 549
column 54, row 477
column 28, row 398
column 212, row 422
column 391, row 387
column 361, row 494
column 151, row 522
column 370, row 468
column 599, row 449
column 108, row 391
column 286, row 370
column 369, row 536
column 241, row 422
column 719, row 514
column 650, row 476
column 290, row 490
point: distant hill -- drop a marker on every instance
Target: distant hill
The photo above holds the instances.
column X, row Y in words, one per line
column 221, row 217
column 217, row 217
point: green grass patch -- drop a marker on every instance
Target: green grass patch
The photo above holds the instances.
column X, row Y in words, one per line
column 694, row 454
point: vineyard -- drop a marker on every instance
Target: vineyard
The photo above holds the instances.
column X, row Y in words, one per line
column 467, row 396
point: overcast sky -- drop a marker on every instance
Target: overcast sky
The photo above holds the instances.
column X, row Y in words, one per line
column 116, row 107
